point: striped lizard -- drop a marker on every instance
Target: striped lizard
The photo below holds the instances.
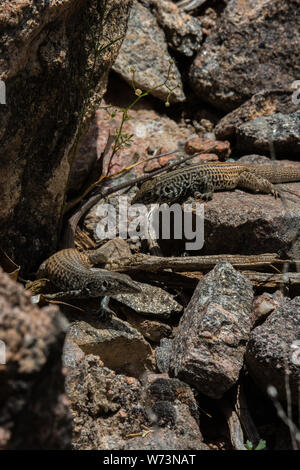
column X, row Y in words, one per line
column 73, row 274
column 201, row 181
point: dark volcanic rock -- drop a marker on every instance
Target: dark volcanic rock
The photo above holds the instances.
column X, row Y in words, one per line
column 209, row 346
column 253, row 48
column 263, row 103
column 34, row 411
column 273, row 351
column 280, row 132
column 145, row 49
column 46, row 61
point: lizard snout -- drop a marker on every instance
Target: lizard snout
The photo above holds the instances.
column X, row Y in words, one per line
column 130, row 286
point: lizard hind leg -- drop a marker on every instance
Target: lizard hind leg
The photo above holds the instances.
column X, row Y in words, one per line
column 203, row 191
column 257, row 184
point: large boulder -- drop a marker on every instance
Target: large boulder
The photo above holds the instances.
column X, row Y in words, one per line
column 48, row 68
column 34, row 411
column 253, row 48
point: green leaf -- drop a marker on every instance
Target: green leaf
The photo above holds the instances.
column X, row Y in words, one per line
column 261, row 445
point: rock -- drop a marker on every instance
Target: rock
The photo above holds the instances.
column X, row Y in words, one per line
column 145, row 49
column 115, row 410
column 104, row 405
column 265, row 304
column 86, row 157
column 164, row 439
column 152, row 301
column 205, row 157
column 115, row 249
column 46, row 61
column 172, row 411
column 153, row 133
column 34, row 415
column 152, row 330
column 250, row 50
column 273, row 351
column 183, row 31
column 209, row 346
column 280, row 132
column 119, row 346
column 245, row 223
column 155, row 164
column 163, row 355
column 208, row 20
column 262, row 103
column 196, row 144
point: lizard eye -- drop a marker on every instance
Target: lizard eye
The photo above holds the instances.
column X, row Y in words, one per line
column 105, row 284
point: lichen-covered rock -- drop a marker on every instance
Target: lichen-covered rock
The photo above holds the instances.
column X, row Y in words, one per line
column 273, row 351
column 253, row 48
column 46, row 62
column 34, row 411
column 209, row 346
column 262, row 103
column 145, row 49
column 279, row 132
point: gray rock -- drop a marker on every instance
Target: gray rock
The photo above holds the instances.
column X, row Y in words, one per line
column 119, row 346
column 152, row 301
column 164, row 439
column 34, row 415
column 114, row 412
column 211, row 338
column 183, row 32
column 273, row 351
column 163, row 355
column 46, row 62
column 251, row 49
column 263, row 103
column 145, row 49
column 152, row 330
column 280, row 132
column 245, row 223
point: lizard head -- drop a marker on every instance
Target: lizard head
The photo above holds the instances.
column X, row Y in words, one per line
column 108, row 283
column 145, row 194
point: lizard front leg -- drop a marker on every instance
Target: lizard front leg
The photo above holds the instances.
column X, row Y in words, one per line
column 248, row 180
column 203, row 190
column 104, row 310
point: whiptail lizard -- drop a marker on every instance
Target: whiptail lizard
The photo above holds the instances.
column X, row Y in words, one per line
column 201, row 181
column 73, row 274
